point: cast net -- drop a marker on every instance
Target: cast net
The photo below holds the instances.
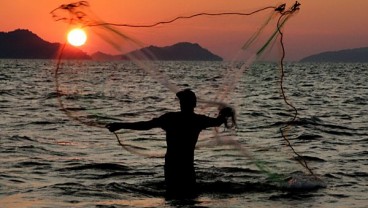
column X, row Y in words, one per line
column 138, row 84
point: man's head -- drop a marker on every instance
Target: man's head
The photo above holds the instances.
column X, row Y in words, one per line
column 188, row 100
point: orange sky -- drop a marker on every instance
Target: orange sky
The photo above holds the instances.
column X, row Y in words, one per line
column 321, row 25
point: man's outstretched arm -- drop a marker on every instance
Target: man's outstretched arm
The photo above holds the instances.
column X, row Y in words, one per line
column 141, row 125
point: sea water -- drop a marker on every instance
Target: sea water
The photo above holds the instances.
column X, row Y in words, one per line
column 49, row 159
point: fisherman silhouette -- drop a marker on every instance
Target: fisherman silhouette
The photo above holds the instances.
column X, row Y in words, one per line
column 182, row 131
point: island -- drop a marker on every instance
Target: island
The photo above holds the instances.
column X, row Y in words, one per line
column 359, row 55
column 24, row 44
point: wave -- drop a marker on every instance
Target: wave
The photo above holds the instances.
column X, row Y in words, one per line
column 98, row 166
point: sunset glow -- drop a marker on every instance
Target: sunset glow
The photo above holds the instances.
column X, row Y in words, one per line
column 319, row 26
column 77, row 37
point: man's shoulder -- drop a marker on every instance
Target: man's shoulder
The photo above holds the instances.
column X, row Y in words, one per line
column 169, row 115
column 180, row 115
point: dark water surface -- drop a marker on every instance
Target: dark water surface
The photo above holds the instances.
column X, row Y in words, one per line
column 49, row 159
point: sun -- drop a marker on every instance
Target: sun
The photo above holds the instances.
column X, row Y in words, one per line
column 77, row 37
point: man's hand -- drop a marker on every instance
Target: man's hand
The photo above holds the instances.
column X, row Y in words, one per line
column 113, row 126
column 227, row 112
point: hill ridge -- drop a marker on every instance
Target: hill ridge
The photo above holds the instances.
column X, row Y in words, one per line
column 24, row 44
column 346, row 55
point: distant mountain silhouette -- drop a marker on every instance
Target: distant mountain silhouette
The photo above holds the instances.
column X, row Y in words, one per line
column 100, row 56
column 23, row 44
column 177, row 52
column 349, row 55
